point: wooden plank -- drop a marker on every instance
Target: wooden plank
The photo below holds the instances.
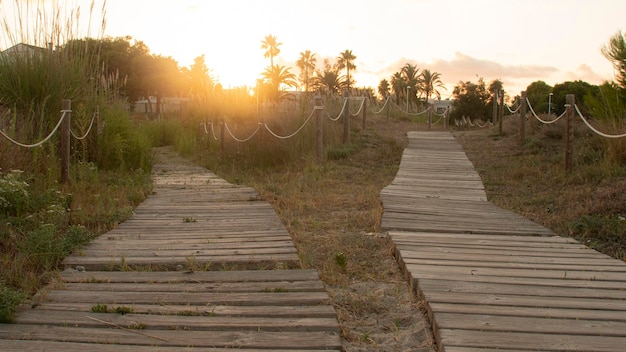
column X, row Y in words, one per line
column 482, row 322
column 178, row 322
column 197, row 276
column 315, row 311
column 466, row 287
column 38, row 346
column 228, row 339
column 538, row 312
column 536, row 342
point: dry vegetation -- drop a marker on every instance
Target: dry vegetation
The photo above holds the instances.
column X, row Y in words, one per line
column 333, row 212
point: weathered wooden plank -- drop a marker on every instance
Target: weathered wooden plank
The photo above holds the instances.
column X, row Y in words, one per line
column 228, row 339
column 519, row 289
column 187, row 298
column 526, row 301
column 481, row 322
column 38, row 346
column 196, row 276
column 518, row 264
column 536, row 342
column 553, row 274
column 314, row 311
column 537, row 312
column 178, row 322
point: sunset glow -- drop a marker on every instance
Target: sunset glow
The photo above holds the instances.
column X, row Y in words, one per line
column 517, row 41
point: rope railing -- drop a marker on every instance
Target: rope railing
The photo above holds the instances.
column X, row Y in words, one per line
column 360, row 108
column 546, row 122
column 294, row 133
column 384, row 106
column 64, row 112
column 93, row 119
column 242, row 140
column 410, row 113
column 513, row 111
column 345, row 102
column 594, row 129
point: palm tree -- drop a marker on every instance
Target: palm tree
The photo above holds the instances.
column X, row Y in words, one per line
column 276, row 76
column 431, row 81
column 383, row 88
column 346, row 60
column 398, row 85
column 306, row 63
column 411, row 78
column 270, row 44
column 328, row 79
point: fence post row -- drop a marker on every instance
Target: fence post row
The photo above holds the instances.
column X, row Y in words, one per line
column 64, row 140
column 570, row 100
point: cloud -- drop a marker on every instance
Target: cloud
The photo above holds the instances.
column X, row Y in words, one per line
column 467, row 68
column 585, row 73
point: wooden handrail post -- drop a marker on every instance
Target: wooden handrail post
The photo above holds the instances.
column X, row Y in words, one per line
column 364, row 111
column 522, row 119
column 570, row 101
column 388, row 105
column 501, row 112
column 64, row 140
column 222, row 134
column 346, row 118
column 319, row 131
column 494, row 100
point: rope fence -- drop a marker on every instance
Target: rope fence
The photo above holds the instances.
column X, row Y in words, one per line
column 64, row 130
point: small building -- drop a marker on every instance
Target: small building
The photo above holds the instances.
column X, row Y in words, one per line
column 440, row 106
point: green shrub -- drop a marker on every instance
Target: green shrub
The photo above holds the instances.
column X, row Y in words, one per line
column 10, row 299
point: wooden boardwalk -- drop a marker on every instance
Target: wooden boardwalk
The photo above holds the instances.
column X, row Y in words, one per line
column 492, row 280
column 203, row 265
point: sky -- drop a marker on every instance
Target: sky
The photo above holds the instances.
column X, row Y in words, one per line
column 516, row 41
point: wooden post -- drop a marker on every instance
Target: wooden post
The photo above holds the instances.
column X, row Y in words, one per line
column 522, row 119
column 388, row 105
column 346, row 118
column 64, row 140
column 501, row 114
column 96, row 133
column 494, row 99
column 222, row 137
column 570, row 100
column 319, row 132
column 430, row 115
column 364, row 111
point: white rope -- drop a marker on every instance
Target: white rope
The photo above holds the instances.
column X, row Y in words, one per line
column 513, row 111
column 539, row 118
column 411, row 114
column 595, row 130
column 384, row 105
column 293, row 134
column 440, row 118
column 258, row 127
column 360, row 108
column 206, row 131
column 345, row 101
column 41, row 142
column 213, row 131
column 93, row 118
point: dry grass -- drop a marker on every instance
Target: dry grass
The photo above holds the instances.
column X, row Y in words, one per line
column 587, row 203
column 333, row 213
